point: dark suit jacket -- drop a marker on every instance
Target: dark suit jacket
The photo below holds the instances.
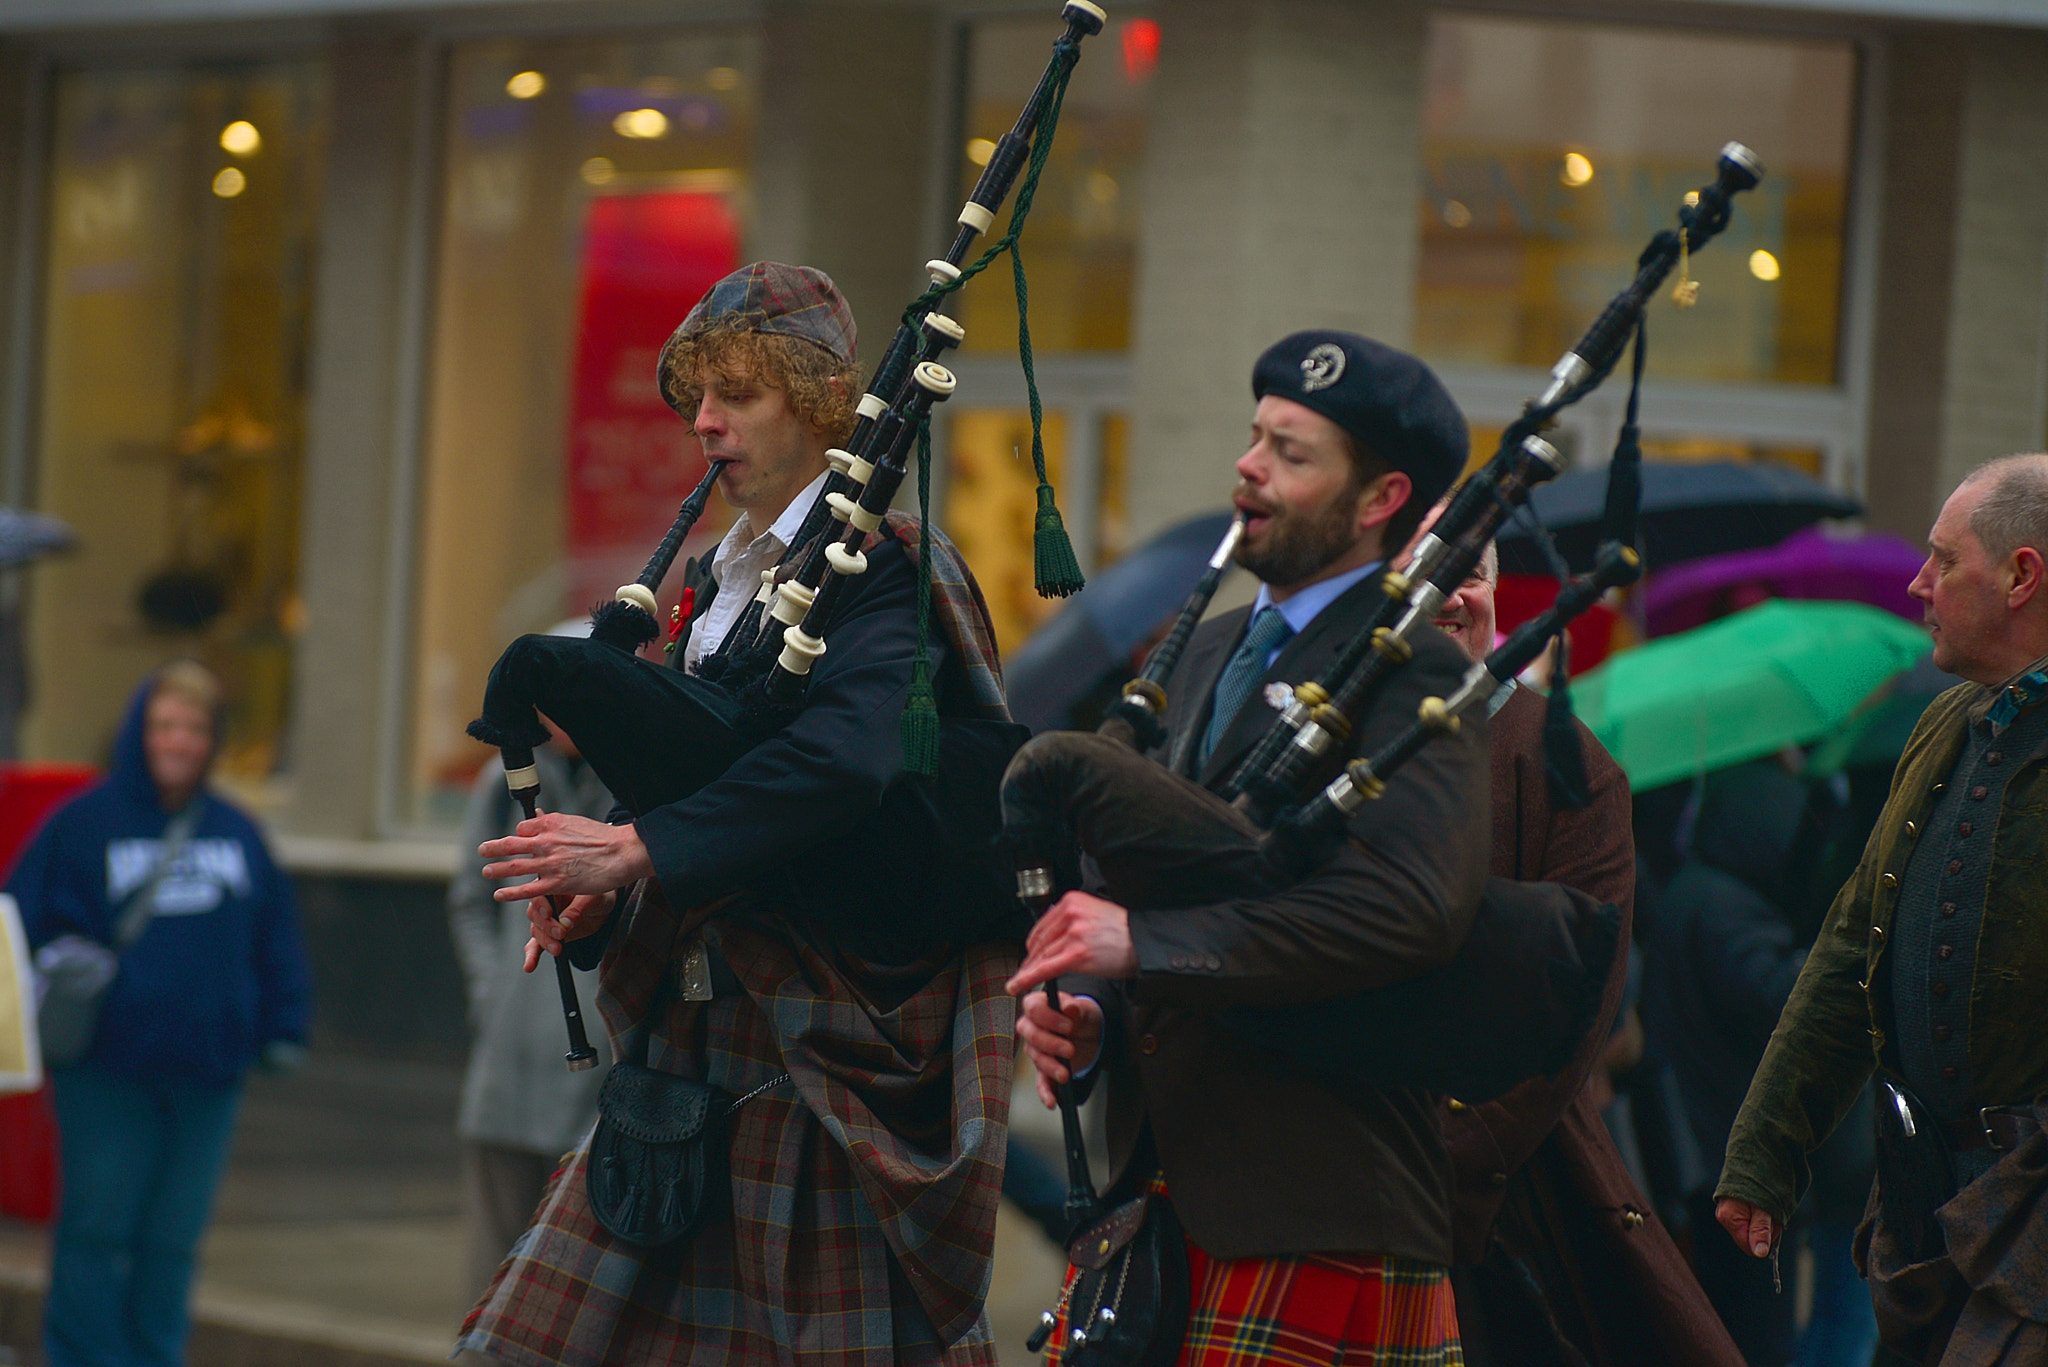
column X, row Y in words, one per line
column 820, row 813
column 1263, row 1157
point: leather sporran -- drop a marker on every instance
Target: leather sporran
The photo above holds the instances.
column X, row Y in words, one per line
column 1127, row 1303
column 658, row 1156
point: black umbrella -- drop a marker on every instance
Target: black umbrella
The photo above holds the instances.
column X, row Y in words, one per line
column 25, row 536
column 1690, row 509
column 1102, row 626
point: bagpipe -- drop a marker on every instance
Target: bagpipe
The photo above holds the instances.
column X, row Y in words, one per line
column 1520, row 993
column 656, row 735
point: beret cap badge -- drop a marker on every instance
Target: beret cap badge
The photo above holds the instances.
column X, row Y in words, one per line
column 1322, row 367
column 1391, row 404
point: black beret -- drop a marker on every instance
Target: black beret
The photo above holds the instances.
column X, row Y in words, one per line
column 1393, row 406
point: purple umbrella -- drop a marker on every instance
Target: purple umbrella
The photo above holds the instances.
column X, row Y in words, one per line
column 1872, row 568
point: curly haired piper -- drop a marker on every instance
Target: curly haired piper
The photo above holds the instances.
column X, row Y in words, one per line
column 734, row 352
column 774, row 324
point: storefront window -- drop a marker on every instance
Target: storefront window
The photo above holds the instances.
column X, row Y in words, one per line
column 594, row 189
column 1080, row 240
column 1554, row 150
column 180, row 237
column 1079, row 250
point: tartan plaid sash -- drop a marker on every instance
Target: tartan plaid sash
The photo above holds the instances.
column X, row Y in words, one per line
column 962, row 614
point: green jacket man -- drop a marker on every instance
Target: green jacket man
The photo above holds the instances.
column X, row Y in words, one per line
column 1932, row 968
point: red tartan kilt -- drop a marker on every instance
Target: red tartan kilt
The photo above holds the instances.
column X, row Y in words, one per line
column 1343, row 1310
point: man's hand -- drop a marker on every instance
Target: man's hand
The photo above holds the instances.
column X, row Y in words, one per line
column 583, row 915
column 1081, row 934
column 565, row 856
column 1059, row 1042
column 1755, row 1231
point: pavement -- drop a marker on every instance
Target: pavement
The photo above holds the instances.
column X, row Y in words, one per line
column 337, row 1234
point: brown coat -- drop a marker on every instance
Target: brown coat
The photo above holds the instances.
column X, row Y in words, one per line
column 1537, row 1171
column 1265, row 1159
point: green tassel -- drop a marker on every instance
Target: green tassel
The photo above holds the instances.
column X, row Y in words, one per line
column 920, row 724
column 1058, row 572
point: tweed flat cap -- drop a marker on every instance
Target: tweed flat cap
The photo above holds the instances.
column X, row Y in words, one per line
column 1393, row 405
column 786, row 301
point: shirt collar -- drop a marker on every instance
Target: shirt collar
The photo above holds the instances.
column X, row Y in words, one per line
column 2002, row 705
column 1301, row 609
column 783, row 529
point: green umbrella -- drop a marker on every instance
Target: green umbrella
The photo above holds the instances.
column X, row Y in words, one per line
column 1781, row 673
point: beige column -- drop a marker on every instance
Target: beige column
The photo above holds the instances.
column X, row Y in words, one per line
column 1997, row 398
column 841, row 161
column 17, row 195
column 1280, row 194
column 1960, row 354
column 354, row 439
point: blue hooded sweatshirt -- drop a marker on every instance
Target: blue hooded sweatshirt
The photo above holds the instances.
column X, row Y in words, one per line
column 219, row 974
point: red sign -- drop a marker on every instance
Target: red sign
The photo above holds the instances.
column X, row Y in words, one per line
column 647, row 258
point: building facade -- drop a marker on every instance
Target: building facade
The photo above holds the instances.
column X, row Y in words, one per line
column 329, row 324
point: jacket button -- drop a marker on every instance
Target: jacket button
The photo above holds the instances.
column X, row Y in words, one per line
column 1937, row 788
column 1939, row 989
column 1877, row 935
column 1945, row 952
column 1213, row 964
column 1978, row 793
column 1631, row 1218
column 1965, row 828
column 1993, row 757
column 1890, row 880
column 1178, row 963
column 1912, row 828
column 1148, row 1044
column 1496, row 1179
column 1948, row 908
column 1955, row 866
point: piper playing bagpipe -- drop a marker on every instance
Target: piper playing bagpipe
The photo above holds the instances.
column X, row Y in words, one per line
column 787, row 933
column 799, row 1148
column 1332, row 1200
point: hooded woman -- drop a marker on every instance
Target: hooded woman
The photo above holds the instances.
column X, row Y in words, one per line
column 215, row 982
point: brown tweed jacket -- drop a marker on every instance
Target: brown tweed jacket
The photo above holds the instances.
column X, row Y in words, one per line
column 1265, row 1158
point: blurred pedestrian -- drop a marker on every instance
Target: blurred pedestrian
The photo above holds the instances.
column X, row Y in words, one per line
column 1720, row 965
column 214, row 982
column 522, row 1108
column 1931, row 968
column 1559, row 1259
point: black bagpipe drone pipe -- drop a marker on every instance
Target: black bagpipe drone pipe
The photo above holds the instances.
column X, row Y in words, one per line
column 1455, row 1030
column 781, row 635
column 656, row 735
